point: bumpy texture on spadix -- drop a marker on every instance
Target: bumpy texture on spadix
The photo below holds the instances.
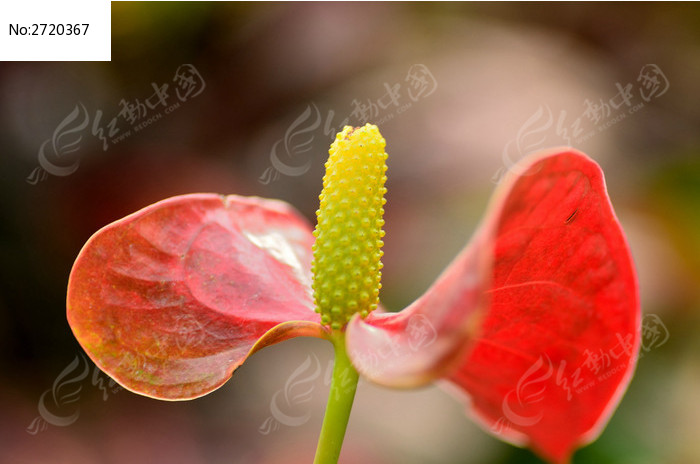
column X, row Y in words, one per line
column 347, row 252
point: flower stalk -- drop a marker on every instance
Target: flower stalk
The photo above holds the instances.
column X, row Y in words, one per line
column 340, row 399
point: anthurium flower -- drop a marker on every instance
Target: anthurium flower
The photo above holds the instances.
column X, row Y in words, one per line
column 535, row 323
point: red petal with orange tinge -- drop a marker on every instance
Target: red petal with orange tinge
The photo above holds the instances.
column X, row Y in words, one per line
column 559, row 334
column 170, row 300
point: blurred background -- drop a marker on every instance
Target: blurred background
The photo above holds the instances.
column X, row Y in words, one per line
column 245, row 98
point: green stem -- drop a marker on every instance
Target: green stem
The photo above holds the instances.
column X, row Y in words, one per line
column 340, row 398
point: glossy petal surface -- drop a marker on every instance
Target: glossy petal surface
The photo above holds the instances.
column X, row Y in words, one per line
column 558, row 334
column 170, row 300
column 559, row 343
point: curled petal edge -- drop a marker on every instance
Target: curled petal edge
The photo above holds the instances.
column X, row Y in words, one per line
column 427, row 339
column 157, row 303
